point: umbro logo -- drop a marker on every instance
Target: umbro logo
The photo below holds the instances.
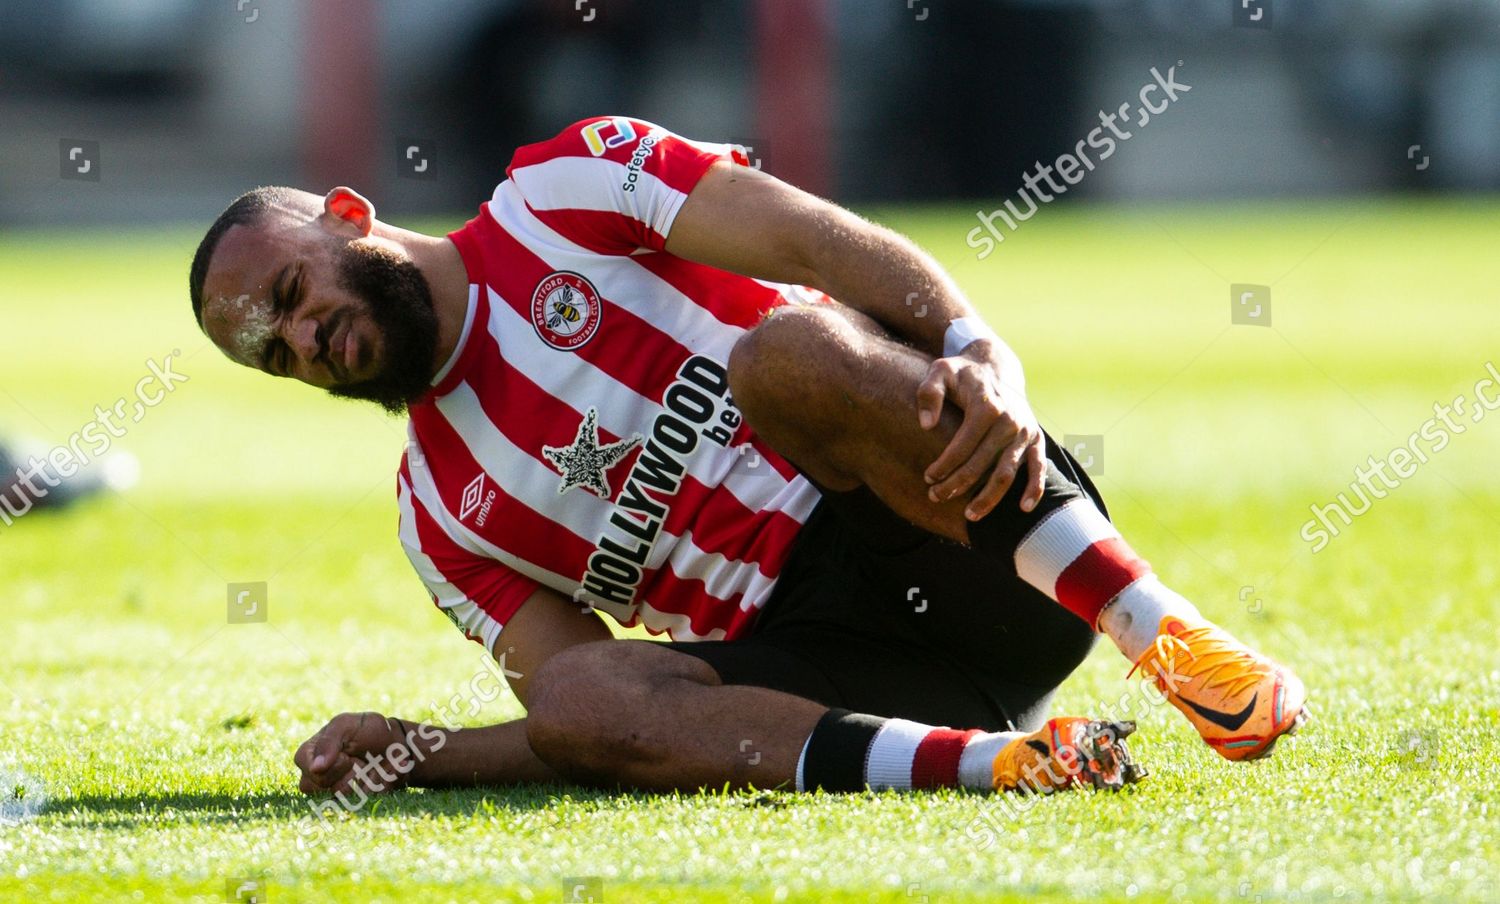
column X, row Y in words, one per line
column 476, row 499
column 472, row 494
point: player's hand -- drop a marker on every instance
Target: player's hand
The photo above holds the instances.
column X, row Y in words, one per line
column 336, row 758
column 999, row 434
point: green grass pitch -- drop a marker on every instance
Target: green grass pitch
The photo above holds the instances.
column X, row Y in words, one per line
column 160, row 737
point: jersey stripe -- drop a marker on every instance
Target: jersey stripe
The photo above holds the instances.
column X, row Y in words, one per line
column 698, row 524
column 645, row 311
column 736, row 300
column 425, row 490
column 563, row 192
column 515, row 522
column 511, row 522
column 678, row 162
column 536, row 489
column 756, row 495
column 477, row 607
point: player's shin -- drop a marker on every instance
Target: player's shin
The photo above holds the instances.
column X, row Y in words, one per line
column 1069, row 550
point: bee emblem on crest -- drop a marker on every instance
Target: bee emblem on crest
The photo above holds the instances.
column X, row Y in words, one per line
column 566, row 309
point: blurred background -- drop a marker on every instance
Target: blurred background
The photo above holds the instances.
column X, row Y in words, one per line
column 188, row 102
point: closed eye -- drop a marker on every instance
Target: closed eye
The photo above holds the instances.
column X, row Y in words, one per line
column 279, row 358
column 276, row 357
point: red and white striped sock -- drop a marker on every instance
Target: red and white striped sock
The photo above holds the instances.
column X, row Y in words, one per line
column 849, row 751
column 1076, row 557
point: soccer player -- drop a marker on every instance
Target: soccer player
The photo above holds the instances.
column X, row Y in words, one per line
column 649, row 381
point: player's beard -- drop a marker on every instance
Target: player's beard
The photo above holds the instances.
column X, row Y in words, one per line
column 399, row 301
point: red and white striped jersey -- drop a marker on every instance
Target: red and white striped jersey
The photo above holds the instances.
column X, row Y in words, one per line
column 582, row 436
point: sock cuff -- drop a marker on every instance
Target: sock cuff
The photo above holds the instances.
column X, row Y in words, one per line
column 802, row 761
column 1058, row 539
column 1076, row 556
column 889, row 763
column 1003, row 530
column 836, row 751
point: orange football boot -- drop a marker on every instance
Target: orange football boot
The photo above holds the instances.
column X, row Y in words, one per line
column 1068, row 753
column 1240, row 701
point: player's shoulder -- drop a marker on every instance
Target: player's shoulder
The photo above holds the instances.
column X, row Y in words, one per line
column 612, row 137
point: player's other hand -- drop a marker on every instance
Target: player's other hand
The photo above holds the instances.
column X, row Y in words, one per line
column 366, row 750
column 999, row 434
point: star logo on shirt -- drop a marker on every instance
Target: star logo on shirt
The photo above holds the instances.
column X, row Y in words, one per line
column 584, row 463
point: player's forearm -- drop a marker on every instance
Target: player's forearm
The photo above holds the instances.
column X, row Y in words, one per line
column 744, row 221
column 490, row 755
column 883, row 274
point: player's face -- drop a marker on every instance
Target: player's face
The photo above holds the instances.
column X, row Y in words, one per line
column 299, row 300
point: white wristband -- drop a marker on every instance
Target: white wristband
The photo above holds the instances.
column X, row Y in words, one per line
column 964, row 332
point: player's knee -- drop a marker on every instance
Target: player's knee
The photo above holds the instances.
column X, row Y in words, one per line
column 788, row 358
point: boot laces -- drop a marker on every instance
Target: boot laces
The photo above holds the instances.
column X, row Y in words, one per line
column 1220, row 660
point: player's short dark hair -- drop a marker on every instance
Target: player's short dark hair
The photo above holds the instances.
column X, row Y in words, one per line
column 246, row 210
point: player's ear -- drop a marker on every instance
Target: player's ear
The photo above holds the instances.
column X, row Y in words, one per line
column 345, row 205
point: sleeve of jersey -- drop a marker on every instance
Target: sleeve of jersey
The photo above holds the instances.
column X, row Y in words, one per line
column 611, row 184
column 478, row 594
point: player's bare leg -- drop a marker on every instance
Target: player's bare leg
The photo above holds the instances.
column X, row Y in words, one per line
column 830, row 390
column 636, row 714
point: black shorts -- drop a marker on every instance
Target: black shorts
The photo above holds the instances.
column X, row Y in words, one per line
column 877, row 616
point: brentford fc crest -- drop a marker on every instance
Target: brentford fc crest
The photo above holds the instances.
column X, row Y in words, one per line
column 565, row 310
